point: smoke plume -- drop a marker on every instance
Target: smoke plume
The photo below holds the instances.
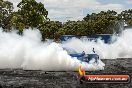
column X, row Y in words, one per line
column 28, row 52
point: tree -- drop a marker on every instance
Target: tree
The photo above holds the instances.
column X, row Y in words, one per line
column 6, row 8
column 30, row 14
column 127, row 16
column 51, row 29
column 102, row 22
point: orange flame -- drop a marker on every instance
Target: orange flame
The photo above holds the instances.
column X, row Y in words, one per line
column 81, row 71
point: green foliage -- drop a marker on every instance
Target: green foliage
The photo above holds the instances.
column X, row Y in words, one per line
column 51, row 29
column 75, row 28
column 30, row 14
column 6, row 9
column 34, row 15
column 127, row 16
column 102, row 22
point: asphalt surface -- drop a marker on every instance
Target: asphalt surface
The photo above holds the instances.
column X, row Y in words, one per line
column 18, row 78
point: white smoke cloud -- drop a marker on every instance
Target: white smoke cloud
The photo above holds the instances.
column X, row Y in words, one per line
column 28, row 52
column 121, row 48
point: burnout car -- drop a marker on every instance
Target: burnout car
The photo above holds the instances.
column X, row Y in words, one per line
column 82, row 56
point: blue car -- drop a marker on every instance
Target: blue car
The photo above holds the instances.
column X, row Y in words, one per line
column 82, row 56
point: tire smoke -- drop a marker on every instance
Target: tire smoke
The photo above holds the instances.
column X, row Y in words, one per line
column 28, row 52
column 120, row 48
